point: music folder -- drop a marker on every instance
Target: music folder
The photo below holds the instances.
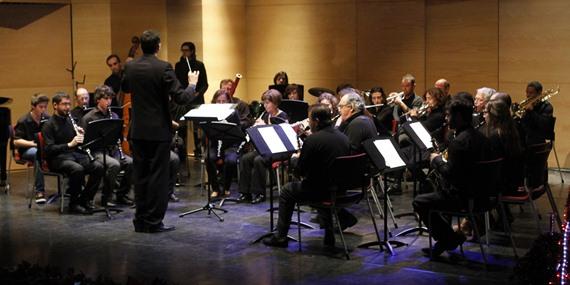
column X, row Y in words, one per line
column 210, row 112
column 419, row 135
column 274, row 140
column 385, row 154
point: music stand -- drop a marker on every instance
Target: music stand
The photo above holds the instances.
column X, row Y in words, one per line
column 99, row 135
column 386, row 156
column 278, row 87
column 421, row 141
column 274, row 142
column 205, row 116
column 295, row 109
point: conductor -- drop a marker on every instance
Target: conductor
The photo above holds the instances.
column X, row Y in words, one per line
column 152, row 83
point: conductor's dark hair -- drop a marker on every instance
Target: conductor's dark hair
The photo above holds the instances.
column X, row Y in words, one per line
column 536, row 85
column 103, row 91
column 59, row 96
column 149, row 41
column 321, row 114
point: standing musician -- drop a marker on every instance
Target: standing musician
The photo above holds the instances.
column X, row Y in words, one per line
column 482, row 97
column 409, row 100
column 468, row 147
column 114, row 80
column 25, row 140
column 317, row 156
column 62, row 137
column 537, row 120
column 153, row 84
column 381, row 111
column 115, row 160
column 253, row 166
column 187, row 63
column 82, row 101
column 223, row 152
column 281, row 78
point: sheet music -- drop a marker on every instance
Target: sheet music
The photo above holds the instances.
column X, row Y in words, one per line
column 216, row 112
column 422, row 133
column 389, row 153
column 291, row 135
column 272, row 140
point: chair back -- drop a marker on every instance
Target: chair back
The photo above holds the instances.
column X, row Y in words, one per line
column 349, row 172
column 488, row 179
column 550, row 129
column 536, row 164
column 41, row 153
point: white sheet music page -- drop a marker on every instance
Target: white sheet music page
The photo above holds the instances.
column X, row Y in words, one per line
column 217, row 112
column 390, row 154
column 291, row 134
column 272, row 140
column 422, row 134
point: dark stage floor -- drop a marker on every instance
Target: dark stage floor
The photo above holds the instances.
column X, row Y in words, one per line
column 205, row 251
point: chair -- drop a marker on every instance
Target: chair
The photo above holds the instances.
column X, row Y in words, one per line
column 550, row 136
column 482, row 197
column 43, row 165
column 348, row 173
column 15, row 156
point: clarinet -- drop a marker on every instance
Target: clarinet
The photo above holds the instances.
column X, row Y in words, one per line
column 119, row 143
column 77, row 132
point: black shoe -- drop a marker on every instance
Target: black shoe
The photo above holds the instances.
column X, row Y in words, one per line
column 160, row 229
column 276, row 241
column 441, row 246
column 78, row 209
column 244, row 197
column 347, row 219
column 107, row 204
column 89, row 205
column 329, row 241
column 173, row 198
column 258, row 199
column 123, row 200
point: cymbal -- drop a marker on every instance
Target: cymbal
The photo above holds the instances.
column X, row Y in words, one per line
column 4, row 100
column 317, row 91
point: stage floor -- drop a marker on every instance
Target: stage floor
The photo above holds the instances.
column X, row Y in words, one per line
column 203, row 250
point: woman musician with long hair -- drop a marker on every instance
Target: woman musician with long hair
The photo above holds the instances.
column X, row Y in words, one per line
column 253, row 167
column 380, row 110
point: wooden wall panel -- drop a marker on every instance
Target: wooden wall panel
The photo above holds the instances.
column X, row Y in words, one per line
column 534, row 38
column 184, row 24
column 462, row 43
column 391, row 43
column 313, row 41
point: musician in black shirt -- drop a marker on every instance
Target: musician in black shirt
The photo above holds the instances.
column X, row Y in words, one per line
column 25, row 138
column 82, row 103
column 382, row 114
column 115, row 160
column 114, row 80
column 61, row 141
column 468, row 147
column 409, row 100
column 319, row 151
column 537, row 122
column 356, row 125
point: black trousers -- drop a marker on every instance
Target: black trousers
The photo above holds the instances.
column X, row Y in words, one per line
column 229, row 156
column 440, row 228
column 253, row 174
column 151, row 177
column 75, row 166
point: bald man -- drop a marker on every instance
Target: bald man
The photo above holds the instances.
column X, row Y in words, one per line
column 444, row 85
column 82, row 101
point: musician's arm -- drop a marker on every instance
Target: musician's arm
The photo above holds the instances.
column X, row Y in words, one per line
column 20, row 135
column 177, row 94
column 51, row 148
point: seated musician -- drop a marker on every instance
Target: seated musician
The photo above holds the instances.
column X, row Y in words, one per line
column 62, row 137
column 317, row 156
column 537, row 120
column 82, row 101
column 242, row 107
column 381, row 111
column 409, row 100
column 115, row 160
column 25, row 140
column 464, row 151
column 292, row 92
column 444, row 85
column 332, row 102
column 222, row 151
column 482, row 97
column 253, row 167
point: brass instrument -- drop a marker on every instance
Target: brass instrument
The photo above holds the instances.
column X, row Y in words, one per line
column 393, row 96
column 80, row 132
column 520, row 109
column 423, row 110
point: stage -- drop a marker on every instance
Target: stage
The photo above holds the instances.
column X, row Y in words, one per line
column 203, row 250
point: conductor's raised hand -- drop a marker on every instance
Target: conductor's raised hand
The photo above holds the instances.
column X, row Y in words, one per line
column 193, row 77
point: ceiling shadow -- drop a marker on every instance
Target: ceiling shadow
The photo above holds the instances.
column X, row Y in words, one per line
column 18, row 15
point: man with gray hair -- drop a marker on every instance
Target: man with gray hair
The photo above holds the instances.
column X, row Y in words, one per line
column 355, row 124
column 482, row 97
column 409, row 100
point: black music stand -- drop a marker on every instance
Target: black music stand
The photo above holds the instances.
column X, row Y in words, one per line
column 205, row 116
column 5, row 121
column 275, row 143
column 386, row 156
column 421, row 141
column 295, row 109
column 99, row 135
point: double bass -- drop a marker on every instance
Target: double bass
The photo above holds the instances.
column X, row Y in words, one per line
column 135, row 43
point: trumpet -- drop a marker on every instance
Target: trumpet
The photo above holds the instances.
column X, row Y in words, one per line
column 422, row 111
column 393, row 96
column 519, row 110
column 80, row 132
